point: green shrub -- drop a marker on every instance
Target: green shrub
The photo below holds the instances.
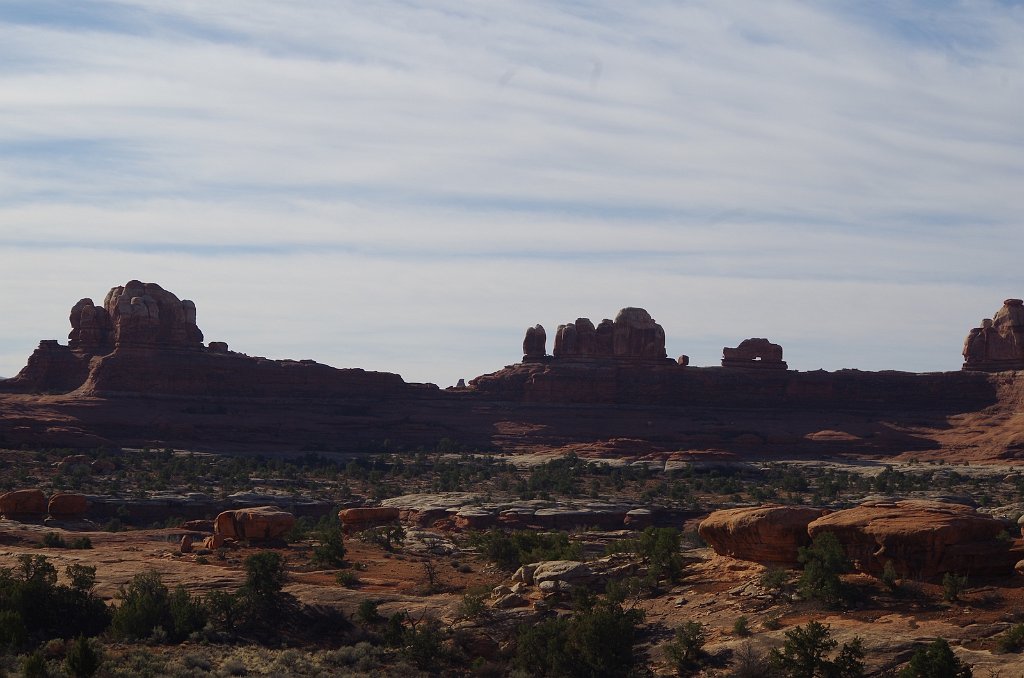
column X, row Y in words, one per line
column 805, row 652
column 1011, row 640
column 82, row 660
column 659, row 549
column 367, row 612
column 144, row 607
column 511, row 550
column 80, row 543
column 330, row 552
column 824, row 560
column 741, row 627
column 773, row 579
column 935, row 661
column 687, row 648
column 264, row 574
column 952, row 586
column 54, row 541
column 34, row 666
column 347, row 578
column 889, row 577
column 594, row 642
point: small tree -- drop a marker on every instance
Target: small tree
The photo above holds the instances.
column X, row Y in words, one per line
column 935, row 661
column 687, row 649
column 889, row 576
column 824, row 560
column 805, row 655
column 264, row 574
column 331, row 550
column 82, row 660
column 952, row 586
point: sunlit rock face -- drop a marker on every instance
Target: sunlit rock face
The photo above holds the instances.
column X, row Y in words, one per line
column 998, row 343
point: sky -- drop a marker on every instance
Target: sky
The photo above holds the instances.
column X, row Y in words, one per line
column 406, row 186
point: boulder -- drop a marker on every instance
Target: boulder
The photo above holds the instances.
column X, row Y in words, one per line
column 259, row 523
column 921, row 538
column 214, row 542
column 638, row 518
column 358, row 519
column 65, row 505
column 23, row 503
column 469, row 518
column 197, row 525
column 571, row 572
column 763, row 534
column 75, row 463
column 510, row 600
column 186, row 544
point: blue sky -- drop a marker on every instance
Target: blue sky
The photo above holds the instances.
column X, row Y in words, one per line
column 406, row 186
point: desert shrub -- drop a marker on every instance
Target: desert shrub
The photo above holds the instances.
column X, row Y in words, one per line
column 80, row 543
column 384, row 536
column 54, row 541
column 264, row 574
column 347, row 578
column 330, row 552
column 889, row 577
column 222, row 609
column 367, row 612
column 659, row 548
column 422, row 645
column 686, row 651
column 188, row 614
column 805, row 652
column 82, row 660
column 472, row 605
column 144, row 607
column 935, row 661
column 1012, row 639
column 952, row 586
column 511, row 550
column 773, row 579
column 741, row 627
column 34, row 666
column 594, row 642
column 824, row 560
column 749, row 663
column 34, row 608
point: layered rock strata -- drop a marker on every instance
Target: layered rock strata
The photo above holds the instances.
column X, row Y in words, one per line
column 632, row 335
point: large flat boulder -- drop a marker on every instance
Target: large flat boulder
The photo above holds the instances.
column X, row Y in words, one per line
column 762, row 534
column 922, row 538
column 23, row 503
column 259, row 523
column 65, row 505
column 359, row 519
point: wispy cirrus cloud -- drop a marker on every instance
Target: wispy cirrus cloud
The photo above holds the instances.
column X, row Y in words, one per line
column 843, row 178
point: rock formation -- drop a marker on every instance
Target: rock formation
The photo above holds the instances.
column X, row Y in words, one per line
column 23, row 503
column 998, row 344
column 260, row 523
column 632, row 335
column 68, row 505
column 359, row 519
column 762, row 534
column 757, row 353
column 922, row 538
column 535, row 343
column 134, row 314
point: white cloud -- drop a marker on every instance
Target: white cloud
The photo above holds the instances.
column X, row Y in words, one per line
column 408, row 187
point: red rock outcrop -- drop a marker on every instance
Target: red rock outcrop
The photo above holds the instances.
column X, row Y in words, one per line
column 23, row 503
column 921, row 538
column 68, row 505
column 259, row 523
column 763, row 534
column 757, row 353
column 998, row 344
column 358, row 519
column 535, row 343
column 632, row 335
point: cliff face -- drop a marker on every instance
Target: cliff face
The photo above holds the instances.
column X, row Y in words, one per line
column 137, row 373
